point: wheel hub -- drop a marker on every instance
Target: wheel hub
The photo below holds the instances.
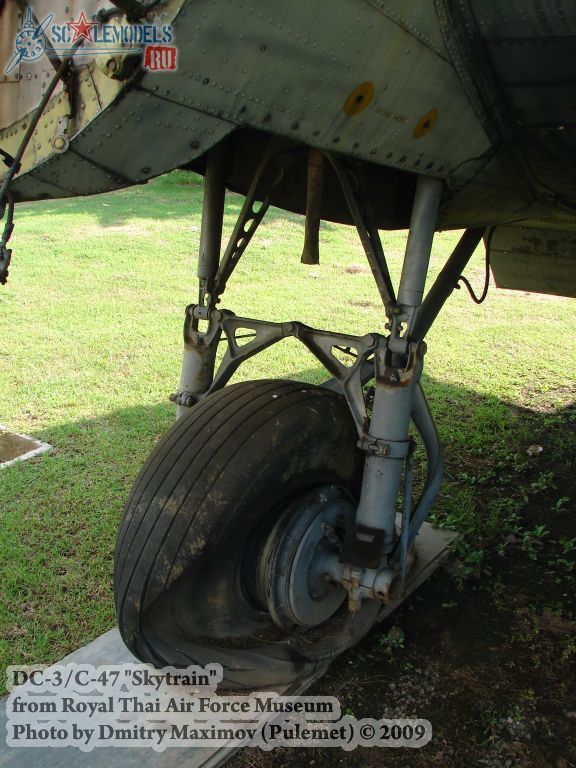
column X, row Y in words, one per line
column 292, row 573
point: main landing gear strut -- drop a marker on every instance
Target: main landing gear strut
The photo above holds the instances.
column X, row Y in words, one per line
column 264, row 531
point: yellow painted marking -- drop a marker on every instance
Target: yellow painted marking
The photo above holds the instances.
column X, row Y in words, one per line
column 425, row 124
column 359, row 99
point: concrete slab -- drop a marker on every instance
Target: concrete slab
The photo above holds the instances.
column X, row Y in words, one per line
column 15, row 447
column 432, row 547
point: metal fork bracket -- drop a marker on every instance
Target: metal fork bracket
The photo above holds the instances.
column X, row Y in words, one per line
column 246, row 337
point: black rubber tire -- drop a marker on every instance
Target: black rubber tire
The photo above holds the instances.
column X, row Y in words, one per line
column 220, row 475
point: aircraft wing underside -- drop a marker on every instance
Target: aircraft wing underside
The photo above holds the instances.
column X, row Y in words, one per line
column 476, row 93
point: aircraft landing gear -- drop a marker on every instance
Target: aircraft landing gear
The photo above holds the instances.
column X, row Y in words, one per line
column 263, row 532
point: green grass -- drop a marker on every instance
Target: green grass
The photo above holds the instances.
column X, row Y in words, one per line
column 91, row 348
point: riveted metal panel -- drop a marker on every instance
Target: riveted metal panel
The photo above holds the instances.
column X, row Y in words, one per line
column 521, row 58
column 388, row 82
column 534, row 259
column 521, row 19
column 116, row 152
column 290, row 69
column 415, row 18
column 153, row 135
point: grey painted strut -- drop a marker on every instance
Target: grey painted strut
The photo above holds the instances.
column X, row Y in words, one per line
column 199, row 354
column 212, row 218
column 420, row 237
column 382, row 474
column 394, row 390
column 446, row 282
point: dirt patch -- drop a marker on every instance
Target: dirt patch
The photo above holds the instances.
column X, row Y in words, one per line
column 357, row 269
column 364, row 304
column 535, row 400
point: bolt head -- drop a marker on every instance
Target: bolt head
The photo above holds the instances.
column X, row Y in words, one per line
column 59, row 144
